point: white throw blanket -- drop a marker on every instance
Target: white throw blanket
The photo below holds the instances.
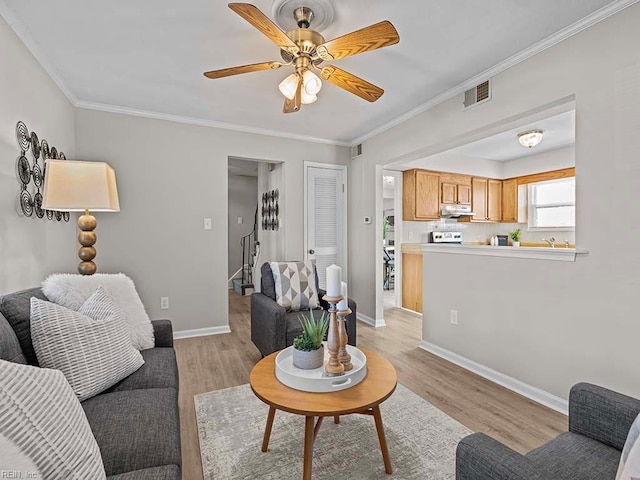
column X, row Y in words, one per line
column 630, row 461
column 71, row 291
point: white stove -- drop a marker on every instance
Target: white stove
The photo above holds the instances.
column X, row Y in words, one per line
column 445, row 237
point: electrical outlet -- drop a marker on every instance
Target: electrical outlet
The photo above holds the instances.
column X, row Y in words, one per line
column 454, row 317
column 164, row 303
column 411, row 236
column 207, row 224
column 239, row 220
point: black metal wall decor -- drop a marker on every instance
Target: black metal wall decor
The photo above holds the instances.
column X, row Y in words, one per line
column 31, row 174
column 271, row 210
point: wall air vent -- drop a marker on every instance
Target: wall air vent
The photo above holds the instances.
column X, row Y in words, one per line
column 356, row 151
column 478, row 94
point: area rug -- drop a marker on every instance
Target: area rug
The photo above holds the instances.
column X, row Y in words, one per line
column 422, row 440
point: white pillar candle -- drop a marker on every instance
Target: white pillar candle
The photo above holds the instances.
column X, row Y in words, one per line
column 343, row 304
column 334, row 281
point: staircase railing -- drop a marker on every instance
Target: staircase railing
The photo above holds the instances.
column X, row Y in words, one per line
column 248, row 243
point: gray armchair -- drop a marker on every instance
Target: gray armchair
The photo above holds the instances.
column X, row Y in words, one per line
column 272, row 327
column 599, row 422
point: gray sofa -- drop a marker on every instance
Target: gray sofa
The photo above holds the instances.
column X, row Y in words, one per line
column 135, row 422
column 272, row 327
column 599, row 422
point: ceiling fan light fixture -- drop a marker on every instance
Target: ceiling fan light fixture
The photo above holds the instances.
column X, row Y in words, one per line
column 306, row 99
column 530, row 138
column 289, row 86
column 311, row 83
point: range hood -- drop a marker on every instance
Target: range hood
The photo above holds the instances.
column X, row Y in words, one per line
column 456, row 211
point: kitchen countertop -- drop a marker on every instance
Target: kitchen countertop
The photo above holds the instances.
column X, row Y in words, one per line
column 536, row 253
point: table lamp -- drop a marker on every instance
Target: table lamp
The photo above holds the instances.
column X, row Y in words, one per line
column 77, row 186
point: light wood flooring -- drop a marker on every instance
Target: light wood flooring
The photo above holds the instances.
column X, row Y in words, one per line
column 221, row 361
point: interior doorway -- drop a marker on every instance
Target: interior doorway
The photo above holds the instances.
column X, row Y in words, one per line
column 255, row 209
column 391, row 239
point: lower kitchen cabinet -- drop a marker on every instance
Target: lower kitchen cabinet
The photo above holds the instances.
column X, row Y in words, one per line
column 412, row 281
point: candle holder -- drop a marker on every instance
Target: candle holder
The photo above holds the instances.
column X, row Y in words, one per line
column 343, row 355
column 333, row 367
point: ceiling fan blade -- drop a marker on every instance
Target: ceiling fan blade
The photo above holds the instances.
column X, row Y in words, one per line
column 375, row 36
column 351, row 83
column 293, row 105
column 256, row 67
column 260, row 21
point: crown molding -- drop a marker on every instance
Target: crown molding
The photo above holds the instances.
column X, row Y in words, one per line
column 102, row 107
column 23, row 34
column 519, row 57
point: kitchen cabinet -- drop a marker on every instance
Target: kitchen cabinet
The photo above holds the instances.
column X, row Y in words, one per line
column 510, row 200
column 486, row 200
column 412, row 281
column 455, row 189
column 494, row 201
column 420, row 195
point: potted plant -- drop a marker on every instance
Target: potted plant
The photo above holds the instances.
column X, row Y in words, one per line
column 515, row 237
column 385, row 229
column 308, row 350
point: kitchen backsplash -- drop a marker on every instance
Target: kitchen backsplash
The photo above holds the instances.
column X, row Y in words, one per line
column 418, row 232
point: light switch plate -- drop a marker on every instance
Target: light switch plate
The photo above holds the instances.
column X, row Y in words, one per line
column 239, row 220
column 207, row 224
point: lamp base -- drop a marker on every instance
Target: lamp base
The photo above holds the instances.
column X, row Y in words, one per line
column 87, row 238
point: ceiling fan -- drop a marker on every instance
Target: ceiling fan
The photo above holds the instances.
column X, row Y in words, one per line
column 305, row 50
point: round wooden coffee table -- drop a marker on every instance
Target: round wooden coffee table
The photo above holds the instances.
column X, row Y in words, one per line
column 364, row 398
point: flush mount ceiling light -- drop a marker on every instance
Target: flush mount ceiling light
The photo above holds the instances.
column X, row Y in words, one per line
column 530, row 138
column 305, row 49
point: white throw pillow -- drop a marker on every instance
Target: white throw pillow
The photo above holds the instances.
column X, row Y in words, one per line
column 90, row 347
column 72, row 291
column 629, row 468
column 43, row 429
column 295, row 284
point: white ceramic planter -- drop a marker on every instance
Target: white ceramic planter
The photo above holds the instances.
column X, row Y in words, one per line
column 516, row 244
column 308, row 360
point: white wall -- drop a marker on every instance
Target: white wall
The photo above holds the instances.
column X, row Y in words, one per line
column 30, row 248
column 170, row 177
column 542, row 162
column 243, row 199
column 549, row 324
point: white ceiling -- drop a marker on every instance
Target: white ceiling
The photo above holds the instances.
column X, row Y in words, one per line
column 149, row 56
column 559, row 131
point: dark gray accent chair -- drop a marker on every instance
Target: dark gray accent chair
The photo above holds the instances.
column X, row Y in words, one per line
column 135, row 422
column 272, row 327
column 599, row 422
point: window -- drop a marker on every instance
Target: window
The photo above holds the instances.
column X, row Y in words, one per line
column 552, row 205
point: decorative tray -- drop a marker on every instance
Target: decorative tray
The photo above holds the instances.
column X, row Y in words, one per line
column 317, row 380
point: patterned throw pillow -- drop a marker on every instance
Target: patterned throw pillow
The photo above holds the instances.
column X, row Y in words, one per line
column 295, row 285
column 91, row 347
column 44, row 432
column 629, row 468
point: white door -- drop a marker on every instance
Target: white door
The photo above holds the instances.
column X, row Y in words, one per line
column 325, row 236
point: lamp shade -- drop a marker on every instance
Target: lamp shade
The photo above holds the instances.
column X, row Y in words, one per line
column 76, row 186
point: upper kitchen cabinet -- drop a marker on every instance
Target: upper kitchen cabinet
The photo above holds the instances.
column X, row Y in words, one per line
column 420, row 195
column 510, row 200
column 486, row 200
column 455, row 189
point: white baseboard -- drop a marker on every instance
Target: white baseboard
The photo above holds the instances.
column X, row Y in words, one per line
column 408, row 310
column 370, row 321
column 537, row 395
column 201, row 332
